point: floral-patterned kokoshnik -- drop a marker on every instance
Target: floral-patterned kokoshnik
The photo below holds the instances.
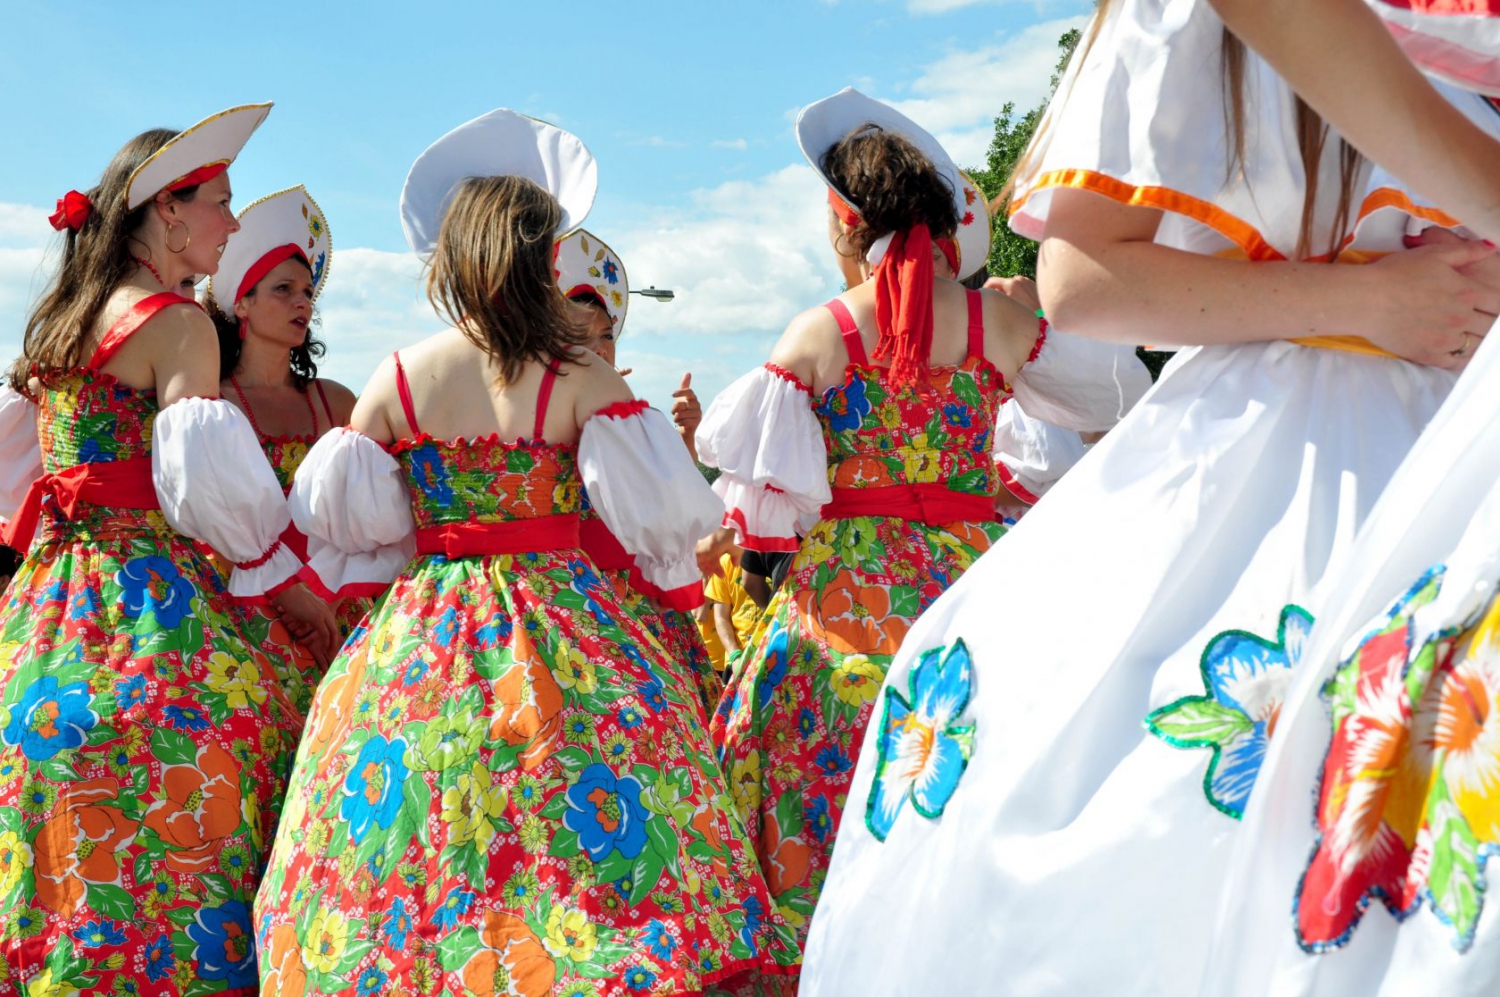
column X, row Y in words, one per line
column 143, row 739
column 501, row 790
column 791, row 723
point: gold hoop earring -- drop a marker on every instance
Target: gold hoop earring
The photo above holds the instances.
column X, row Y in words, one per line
column 186, row 243
column 842, row 247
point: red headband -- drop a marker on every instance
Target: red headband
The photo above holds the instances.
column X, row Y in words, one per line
column 841, row 208
column 73, row 209
column 587, row 291
column 265, row 265
column 202, row 174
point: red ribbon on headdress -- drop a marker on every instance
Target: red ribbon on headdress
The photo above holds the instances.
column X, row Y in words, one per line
column 202, row 174
column 903, row 296
column 73, row 209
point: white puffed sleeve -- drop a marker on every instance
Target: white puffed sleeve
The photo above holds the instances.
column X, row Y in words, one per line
column 20, row 453
column 350, row 499
column 215, row 485
column 762, row 434
column 1080, row 384
column 1031, row 455
column 650, row 494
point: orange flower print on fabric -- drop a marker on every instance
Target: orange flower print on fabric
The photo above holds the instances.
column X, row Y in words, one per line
column 202, row 808
column 287, row 976
column 854, row 618
column 528, row 705
column 513, row 960
column 80, row 845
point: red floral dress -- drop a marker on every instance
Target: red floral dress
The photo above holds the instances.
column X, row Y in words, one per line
column 791, row 722
column 503, row 788
column 143, row 738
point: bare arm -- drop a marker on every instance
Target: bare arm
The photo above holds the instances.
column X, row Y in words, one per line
column 183, row 350
column 724, row 624
column 1101, row 275
column 1372, row 95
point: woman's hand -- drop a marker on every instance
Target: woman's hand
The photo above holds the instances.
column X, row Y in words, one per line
column 1021, row 290
column 713, row 547
column 310, row 620
column 1433, row 304
column 687, row 413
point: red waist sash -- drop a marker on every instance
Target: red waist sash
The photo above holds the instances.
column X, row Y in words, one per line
column 932, row 504
column 519, row 536
column 602, row 547
column 121, row 484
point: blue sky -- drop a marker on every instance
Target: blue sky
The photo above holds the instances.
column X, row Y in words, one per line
column 688, row 108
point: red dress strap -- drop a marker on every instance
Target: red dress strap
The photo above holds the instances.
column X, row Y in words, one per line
column 138, row 315
column 404, row 390
column 323, row 397
column 543, row 395
column 850, row 331
column 976, row 325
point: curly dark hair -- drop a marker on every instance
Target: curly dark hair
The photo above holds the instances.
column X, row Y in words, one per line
column 304, row 357
column 893, row 184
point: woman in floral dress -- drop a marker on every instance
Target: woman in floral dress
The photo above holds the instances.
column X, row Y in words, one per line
column 261, row 300
column 591, row 276
column 144, row 740
column 501, row 789
column 892, row 462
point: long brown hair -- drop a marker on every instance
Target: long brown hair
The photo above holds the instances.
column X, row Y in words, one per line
column 96, row 260
column 894, row 185
column 1312, row 140
column 491, row 274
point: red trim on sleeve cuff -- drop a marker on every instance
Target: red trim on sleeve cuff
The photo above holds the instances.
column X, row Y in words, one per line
column 622, row 410
column 787, row 375
column 353, row 590
column 684, row 599
column 1008, row 480
column 264, row 558
column 766, row 545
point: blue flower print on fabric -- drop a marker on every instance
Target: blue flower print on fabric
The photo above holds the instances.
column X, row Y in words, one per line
column 845, row 406
column 606, row 813
column 777, row 661
column 155, row 583
column 922, row 751
column 222, row 949
column 1246, row 677
column 160, row 963
column 432, row 474
column 373, row 788
column 50, row 718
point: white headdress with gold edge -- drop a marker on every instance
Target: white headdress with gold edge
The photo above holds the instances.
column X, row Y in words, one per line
column 585, row 265
column 272, row 230
column 823, row 124
column 500, row 143
column 214, row 141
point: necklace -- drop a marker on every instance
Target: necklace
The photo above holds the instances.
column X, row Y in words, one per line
column 154, row 272
column 250, row 413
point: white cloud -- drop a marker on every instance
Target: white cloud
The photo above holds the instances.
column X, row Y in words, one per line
column 944, row 6
column 375, row 303
column 734, row 143
column 958, row 97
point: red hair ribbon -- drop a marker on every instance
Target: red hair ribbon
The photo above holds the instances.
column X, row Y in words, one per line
column 202, row 174
column 903, row 302
column 73, row 209
column 841, row 208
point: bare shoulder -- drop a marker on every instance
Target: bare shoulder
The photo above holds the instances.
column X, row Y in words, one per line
column 810, row 337
column 1010, row 331
column 340, row 399
column 593, row 384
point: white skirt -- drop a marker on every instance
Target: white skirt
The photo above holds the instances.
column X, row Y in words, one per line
column 1441, row 512
column 1037, row 838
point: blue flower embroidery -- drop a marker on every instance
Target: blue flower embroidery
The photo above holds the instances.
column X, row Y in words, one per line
column 431, row 473
column 611, row 271
column 1246, row 677
column 922, row 752
column 372, row 790
column 222, row 949
column 605, row 811
column 955, row 414
column 845, row 406
column 50, row 718
column 155, row 583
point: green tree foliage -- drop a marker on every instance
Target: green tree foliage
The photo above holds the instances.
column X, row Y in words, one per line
column 1011, row 254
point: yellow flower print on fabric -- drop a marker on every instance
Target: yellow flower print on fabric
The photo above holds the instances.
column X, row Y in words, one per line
column 237, row 681
column 744, row 781
column 327, row 938
column 574, row 671
column 475, row 808
column 570, row 934
column 15, row 859
column 856, row 680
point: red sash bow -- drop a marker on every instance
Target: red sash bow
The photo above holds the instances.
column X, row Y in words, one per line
column 121, row 484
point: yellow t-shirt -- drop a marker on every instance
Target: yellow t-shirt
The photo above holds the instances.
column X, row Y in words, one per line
column 727, row 588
